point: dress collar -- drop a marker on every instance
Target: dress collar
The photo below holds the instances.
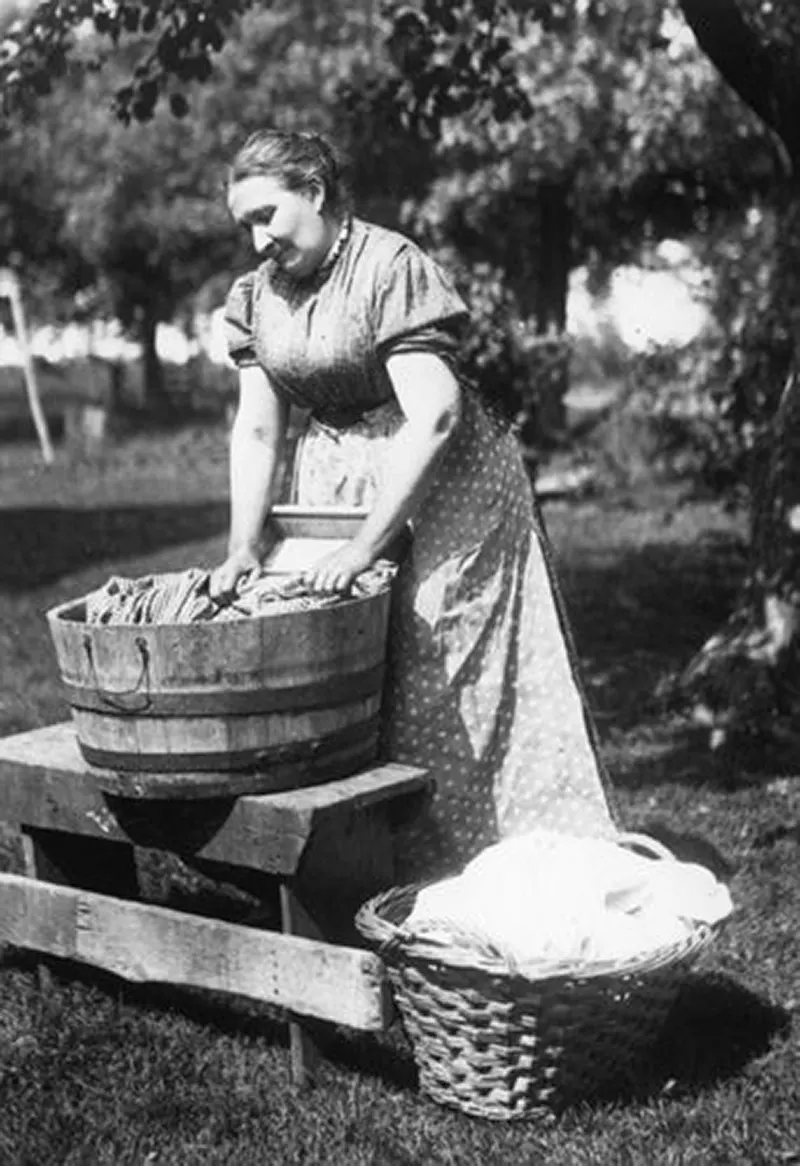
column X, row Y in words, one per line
column 338, row 246
column 289, row 285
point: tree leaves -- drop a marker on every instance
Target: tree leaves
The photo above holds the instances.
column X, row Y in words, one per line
column 178, row 40
column 454, row 59
column 178, row 104
column 755, row 44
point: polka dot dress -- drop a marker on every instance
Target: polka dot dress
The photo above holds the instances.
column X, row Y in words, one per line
column 482, row 689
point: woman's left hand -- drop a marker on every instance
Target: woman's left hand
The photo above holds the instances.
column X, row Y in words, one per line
column 337, row 571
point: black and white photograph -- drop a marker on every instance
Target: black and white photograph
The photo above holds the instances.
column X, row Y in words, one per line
column 399, row 582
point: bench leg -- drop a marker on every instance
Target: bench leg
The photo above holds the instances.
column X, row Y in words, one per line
column 296, row 919
column 347, row 860
column 93, row 864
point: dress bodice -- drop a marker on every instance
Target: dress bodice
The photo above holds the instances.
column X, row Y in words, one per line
column 324, row 341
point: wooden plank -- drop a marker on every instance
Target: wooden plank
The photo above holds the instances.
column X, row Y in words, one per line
column 298, row 524
column 36, row 865
column 91, row 863
column 322, row 524
column 148, row 944
column 44, row 782
column 137, row 757
column 296, row 920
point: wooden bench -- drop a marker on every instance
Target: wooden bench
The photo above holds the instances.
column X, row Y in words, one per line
column 323, row 848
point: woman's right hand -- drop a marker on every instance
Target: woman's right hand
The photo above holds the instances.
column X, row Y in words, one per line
column 225, row 577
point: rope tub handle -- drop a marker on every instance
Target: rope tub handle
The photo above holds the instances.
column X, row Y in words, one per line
column 116, row 701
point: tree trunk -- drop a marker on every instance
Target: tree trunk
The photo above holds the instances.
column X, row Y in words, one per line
column 555, row 254
column 745, row 680
column 155, row 398
column 540, row 280
column 551, row 367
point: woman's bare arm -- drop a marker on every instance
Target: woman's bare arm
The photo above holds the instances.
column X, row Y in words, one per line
column 256, row 447
column 430, row 398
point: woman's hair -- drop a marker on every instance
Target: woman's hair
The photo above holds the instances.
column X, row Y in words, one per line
column 299, row 160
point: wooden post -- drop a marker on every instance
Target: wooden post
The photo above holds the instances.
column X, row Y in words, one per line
column 91, row 863
column 348, row 859
column 9, row 287
column 303, row 1053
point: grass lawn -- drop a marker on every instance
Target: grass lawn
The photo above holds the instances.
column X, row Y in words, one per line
column 94, row 1071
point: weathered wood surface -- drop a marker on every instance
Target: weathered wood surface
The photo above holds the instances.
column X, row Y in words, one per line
column 244, row 694
column 296, row 920
column 149, row 944
column 45, row 783
column 125, row 764
column 91, row 863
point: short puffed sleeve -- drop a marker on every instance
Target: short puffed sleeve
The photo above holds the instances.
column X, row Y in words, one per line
column 415, row 301
column 238, row 321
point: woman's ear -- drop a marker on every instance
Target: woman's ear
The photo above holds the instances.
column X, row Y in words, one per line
column 317, row 193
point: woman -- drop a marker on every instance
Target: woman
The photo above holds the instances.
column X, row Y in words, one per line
column 356, row 324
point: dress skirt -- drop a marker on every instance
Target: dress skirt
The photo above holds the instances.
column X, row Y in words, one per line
column 482, row 686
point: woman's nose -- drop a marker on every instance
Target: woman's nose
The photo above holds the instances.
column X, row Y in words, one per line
column 262, row 239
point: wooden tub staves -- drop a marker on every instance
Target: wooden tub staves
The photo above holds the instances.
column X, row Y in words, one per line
column 222, row 708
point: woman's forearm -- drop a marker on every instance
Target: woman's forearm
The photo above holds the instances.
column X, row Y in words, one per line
column 256, row 446
column 430, row 399
column 414, row 455
column 255, row 456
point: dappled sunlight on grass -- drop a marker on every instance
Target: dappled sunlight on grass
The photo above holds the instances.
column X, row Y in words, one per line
column 94, row 1071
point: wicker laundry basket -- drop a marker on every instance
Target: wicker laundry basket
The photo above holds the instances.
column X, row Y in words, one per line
column 498, row 1045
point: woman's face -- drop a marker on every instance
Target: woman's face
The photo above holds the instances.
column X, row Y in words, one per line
column 286, row 225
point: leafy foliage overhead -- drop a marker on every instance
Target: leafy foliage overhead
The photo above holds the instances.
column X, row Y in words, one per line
column 453, row 56
column 182, row 37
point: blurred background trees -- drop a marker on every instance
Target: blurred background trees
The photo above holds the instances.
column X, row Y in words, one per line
column 520, row 141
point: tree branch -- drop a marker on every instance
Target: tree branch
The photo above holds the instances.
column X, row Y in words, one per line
column 749, row 67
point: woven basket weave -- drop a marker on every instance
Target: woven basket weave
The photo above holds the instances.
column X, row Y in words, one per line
column 498, row 1045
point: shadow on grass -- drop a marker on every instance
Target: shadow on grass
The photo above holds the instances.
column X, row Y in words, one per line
column 42, row 544
column 715, row 1029
column 388, row 1057
column 228, row 1015
column 644, row 613
column 639, row 615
